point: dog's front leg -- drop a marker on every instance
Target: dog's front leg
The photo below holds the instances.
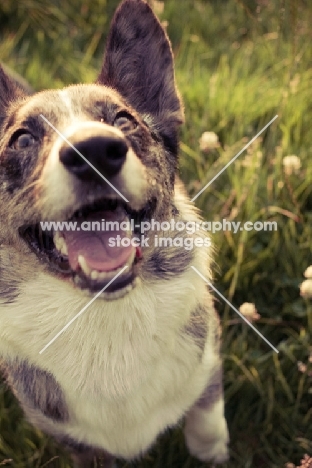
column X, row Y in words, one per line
column 206, row 432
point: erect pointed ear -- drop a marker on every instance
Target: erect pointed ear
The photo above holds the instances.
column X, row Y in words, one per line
column 139, row 63
column 9, row 92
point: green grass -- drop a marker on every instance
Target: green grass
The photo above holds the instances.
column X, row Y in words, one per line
column 239, row 63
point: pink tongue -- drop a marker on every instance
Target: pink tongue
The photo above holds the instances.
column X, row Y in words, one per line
column 94, row 245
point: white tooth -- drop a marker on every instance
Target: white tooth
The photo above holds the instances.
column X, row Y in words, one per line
column 60, row 243
column 84, row 266
column 103, row 275
column 117, row 271
column 58, row 240
column 100, row 275
column 121, row 213
column 95, row 275
column 56, row 235
column 64, row 249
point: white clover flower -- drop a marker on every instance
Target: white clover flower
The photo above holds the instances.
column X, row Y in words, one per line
column 308, row 272
column 291, row 164
column 249, row 311
column 209, row 141
column 302, row 367
column 306, row 289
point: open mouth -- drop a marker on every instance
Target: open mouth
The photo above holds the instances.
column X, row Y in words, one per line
column 95, row 247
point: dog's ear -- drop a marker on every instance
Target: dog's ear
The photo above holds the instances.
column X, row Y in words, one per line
column 9, row 92
column 139, row 64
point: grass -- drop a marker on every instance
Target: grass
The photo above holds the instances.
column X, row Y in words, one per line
column 239, row 63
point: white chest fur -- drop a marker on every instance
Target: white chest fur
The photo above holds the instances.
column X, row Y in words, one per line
column 125, row 370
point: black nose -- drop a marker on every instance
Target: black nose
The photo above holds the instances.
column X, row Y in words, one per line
column 106, row 153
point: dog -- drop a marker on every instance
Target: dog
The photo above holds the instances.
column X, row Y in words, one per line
column 145, row 352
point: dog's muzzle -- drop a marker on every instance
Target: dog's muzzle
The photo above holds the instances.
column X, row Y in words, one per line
column 90, row 153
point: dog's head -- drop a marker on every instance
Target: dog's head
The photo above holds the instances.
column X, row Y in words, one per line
column 91, row 152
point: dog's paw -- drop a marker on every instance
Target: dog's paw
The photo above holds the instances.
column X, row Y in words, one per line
column 212, row 447
column 213, row 450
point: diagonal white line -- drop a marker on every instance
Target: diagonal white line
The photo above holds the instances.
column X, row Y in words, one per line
column 235, row 310
column 235, row 157
column 82, row 156
column 82, row 311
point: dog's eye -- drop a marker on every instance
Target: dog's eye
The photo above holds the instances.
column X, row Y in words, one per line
column 21, row 140
column 125, row 122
